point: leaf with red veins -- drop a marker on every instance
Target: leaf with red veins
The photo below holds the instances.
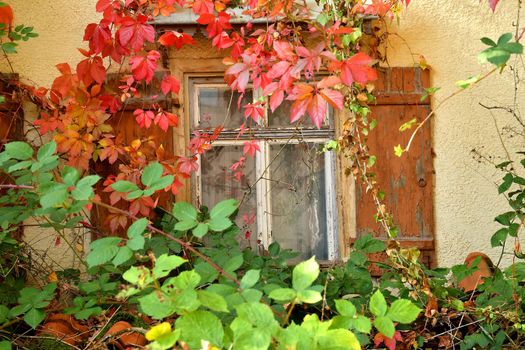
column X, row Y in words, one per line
column 188, row 165
column 202, row 6
column 314, row 101
column 238, row 44
column 279, row 69
column 176, row 39
column 143, row 67
column 166, row 119
column 134, row 32
column 164, row 8
column 170, row 84
column 378, row 8
column 222, row 41
column 333, row 97
column 390, row 343
column 91, row 69
column 356, row 69
column 215, row 24
column 141, row 205
column 98, row 35
column 276, row 99
column 329, row 81
column 492, row 4
column 47, row 123
column 254, row 110
column 144, row 118
column 65, row 82
column 109, row 150
column 241, row 72
column 284, row 50
column 310, row 59
column 250, row 147
column 110, row 102
column 102, row 5
column 200, row 143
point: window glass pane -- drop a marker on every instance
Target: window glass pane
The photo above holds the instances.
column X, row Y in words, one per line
column 214, row 103
column 218, row 183
column 281, row 117
column 298, row 203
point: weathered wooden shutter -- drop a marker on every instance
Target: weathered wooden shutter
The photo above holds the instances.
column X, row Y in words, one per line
column 124, row 123
column 407, row 181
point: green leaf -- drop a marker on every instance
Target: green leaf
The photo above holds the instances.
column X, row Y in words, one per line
column 123, row 255
column 200, row 231
column 464, row 84
column 257, row 314
column 283, row 294
column 345, row 308
column 138, row 228
column 403, row 311
column 34, row 317
column 219, row 224
column 151, row 174
column 504, row 38
column 102, row 250
column 158, row 308
column 212, row 301
column 304, row 274
column 385, row 326
column 184, row 211
column 378, row 304
column 309, row 296
column 46, row 151
column 5, row 345
column 234, row 263
column 250, row 278
column 408, row 125
column 361, row 324
column 9, row 47
column 224, row 209
column 19, row 150
column 338, row 339
column 165, row 264
column 54, row 196
column 84, row 188
column 255, row 339
column 499, row 237
column 124, row 186
column 369, row 244
column 185, row 225
column 488, row 41
column 398, row 150
column 200, row 325
column 507, row 182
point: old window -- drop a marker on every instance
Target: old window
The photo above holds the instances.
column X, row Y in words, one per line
column 287, row 191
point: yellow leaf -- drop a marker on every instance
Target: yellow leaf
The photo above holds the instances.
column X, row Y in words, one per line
column 52, row 277
column 158, row 331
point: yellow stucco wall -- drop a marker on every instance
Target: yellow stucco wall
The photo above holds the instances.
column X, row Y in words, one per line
column 446, row 32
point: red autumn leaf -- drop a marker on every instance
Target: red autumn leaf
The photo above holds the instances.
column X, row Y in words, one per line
column 164, row 8
column 135, row 32
column 241, row 72
column 215, row 24
column 284, row 50
column 91, row 69
column 314, row 101
column 390, row 343
column 310, row 59
column 143, row 67
column 250, row 147
column 176, row 39
column 98, row 35
column 144, row 118
column 48, row 123
column 492, row 4
column 279, row 69
column 65, row 82
column 356, row 69
column 254, row 110
column 222, row 41
column 170, row 84
column 166, row 119
column 202, row 6
column 276, row 99
column 238, row 164
column 102, row 5
column 188, row 165
column 6, row 16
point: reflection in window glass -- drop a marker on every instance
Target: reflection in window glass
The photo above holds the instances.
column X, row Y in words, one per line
column 298, row 203
column 218, row 183
column 214, row 103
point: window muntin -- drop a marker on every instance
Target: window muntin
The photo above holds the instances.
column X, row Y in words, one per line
column 287, row 192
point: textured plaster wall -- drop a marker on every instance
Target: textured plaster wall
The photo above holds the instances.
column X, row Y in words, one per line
column 60, row 24
column 447, row 33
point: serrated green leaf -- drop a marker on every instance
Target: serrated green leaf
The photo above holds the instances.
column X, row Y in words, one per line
column 224, row 209
column 34, row 317
column 184, row 211
column 250, row 278
column 54, row 196
column 345, row 308
column 283, row 294
column 304, row 274
column 403, row 311
column 123, row 255
column 378, row 304
column 198, row 326
column 385, row 325
column 19, row 150
column 200, row 230
column 309, row 296
column 124, row 186
column 165, row 264
column 219, row 224
column 46, row 151
column 102, row 250
column 151, row 174
column 185, row 225
column 212, row 301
